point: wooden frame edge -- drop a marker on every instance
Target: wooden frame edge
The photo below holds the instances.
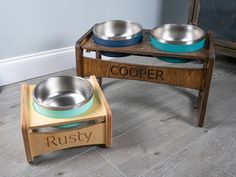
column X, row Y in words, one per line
column 108, row 132
column 204, row 94
column 24, row 121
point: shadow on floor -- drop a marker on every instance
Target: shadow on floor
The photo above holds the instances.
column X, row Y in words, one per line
column 151, row 103
column 1, row 89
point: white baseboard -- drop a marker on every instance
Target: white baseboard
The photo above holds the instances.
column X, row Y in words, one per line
column 29, row 66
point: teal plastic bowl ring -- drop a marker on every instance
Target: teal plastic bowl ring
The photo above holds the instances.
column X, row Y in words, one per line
column 177, row 39
column 63, row 97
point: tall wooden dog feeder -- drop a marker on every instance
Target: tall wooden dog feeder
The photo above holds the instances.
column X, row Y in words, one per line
column 194, row 78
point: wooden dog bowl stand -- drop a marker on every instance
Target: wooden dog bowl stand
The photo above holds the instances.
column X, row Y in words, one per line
column 194, row 78
column 37, row 143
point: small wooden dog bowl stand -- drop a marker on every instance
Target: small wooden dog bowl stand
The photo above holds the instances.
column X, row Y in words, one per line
column 37, row 143
column 194, row 78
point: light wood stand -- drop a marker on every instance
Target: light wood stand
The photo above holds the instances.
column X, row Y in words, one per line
column 37, row 143
column 194, row 78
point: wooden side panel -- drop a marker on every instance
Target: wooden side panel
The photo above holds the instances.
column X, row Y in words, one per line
column 203, row 94
column 99, row 56
column 190, row 78
column 52, row 141
column 79, row 61
column 79, row 51
column 108, row 134
column 85, row 37
column 24, row 120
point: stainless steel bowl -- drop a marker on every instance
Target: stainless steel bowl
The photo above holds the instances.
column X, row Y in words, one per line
column 178, row 34
column 63, row 93
column 117, row 30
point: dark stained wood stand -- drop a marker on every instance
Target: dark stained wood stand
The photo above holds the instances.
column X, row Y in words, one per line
column 194, row 78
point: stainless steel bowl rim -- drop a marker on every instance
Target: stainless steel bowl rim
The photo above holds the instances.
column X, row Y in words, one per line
column 64, row 108
column 189, row 42
column 118, row 37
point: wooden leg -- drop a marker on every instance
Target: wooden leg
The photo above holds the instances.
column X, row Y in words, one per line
column 24, row 121
column 79, row 61
column 26, row 140
column 99, row 56
column 203, row 94
column 202, row 107
column 109, row 130
column 108, row 127
column 199, row 98
column 29, row 156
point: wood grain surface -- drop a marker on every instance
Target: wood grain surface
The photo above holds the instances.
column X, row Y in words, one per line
column 190, row 77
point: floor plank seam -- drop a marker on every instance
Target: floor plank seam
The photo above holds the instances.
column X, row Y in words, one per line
column 113, row 165
column 207, row 160
column 187, row 147
column 92, row 148
column 143, row 123
column 223, row 170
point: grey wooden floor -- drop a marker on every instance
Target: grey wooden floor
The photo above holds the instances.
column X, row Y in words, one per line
column 154, row 132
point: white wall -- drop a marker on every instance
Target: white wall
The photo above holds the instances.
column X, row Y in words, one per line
column 32, row 26
column 39, row 25
column 37, row 36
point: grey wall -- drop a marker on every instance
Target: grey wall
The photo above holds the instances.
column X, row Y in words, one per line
column 175, row 11
column 32, row 26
